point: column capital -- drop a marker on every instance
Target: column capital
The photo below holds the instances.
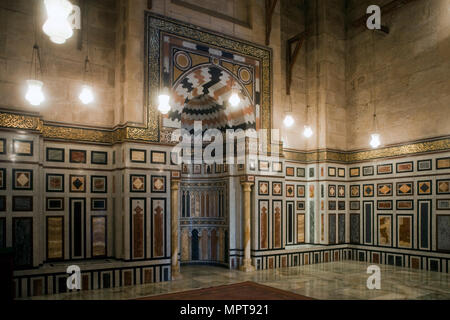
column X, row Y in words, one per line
column 174, row 184
column 247, row 185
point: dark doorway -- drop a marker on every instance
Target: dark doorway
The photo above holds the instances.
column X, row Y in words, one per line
column 194, row 245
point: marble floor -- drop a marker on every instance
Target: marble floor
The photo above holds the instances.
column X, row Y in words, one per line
column 344, row 280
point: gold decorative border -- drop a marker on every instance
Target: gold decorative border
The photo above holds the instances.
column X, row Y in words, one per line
column 434, row 145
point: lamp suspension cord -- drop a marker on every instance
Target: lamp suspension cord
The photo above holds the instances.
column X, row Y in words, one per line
column 87, row 65
column 373, row 101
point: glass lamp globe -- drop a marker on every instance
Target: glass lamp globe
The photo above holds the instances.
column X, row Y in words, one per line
column 86, row 95
column 57, row 26
column 307, row 132
column 164, row 106
column 34, row 94
column 375, row 140
column 288, row 121
column 234, row 99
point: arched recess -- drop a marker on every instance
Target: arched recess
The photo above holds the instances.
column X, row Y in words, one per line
column 202, row 95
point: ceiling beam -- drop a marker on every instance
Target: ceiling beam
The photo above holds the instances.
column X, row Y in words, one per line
column 291, row 56
column 270, row 8
column 387, row 8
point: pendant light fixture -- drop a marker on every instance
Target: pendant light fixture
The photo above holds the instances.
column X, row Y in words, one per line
column 288, row 119
column 164, row 95
column 307, row 130
column 34, row 94
column 57, row 26
column 375, row 140
column 164, row 102
column 87, row 95
column 234, row 99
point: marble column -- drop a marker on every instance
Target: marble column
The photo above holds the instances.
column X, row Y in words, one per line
column 247, row 265
column 174, row 228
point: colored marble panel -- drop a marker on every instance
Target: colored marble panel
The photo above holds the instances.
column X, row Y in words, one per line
column 311, row 191
column 98, row 226
column 332, row 191
column 2, row 233
column 290, row 171
column 158, row 157
column 331, row 205
column 55, row 204
column 158, row 212
column 22, row 203
column 332, row 228
column 2, row 178
column 138, row 155
column 23, row 241
column 290, row 190
column 99, row 157
column 98, row 184
column 354, row 172
column 384, row 169
column 311, row 221
column 424, row 187
column 368, row 212
column 384, row 204
column 368, row 190
column 263, row 220
column 384, row 230
column 277, row 213
column 415, row 262
column 22, row 179
column 405, row 205
column 405, row 167
column 368, row 171
column 443, row 204
column 277, row 167
column 424, row 224
column 443, row 186
column 443, row 163
column 341, row 191
column 77, row 183
column 263, row 165
column 300, row 191
column 301, row 172
column 138, row 183
column 443, row 233
column 55, row 238
column 404, row 231
column 55, row 183
column 424, row 165
column 341, row 228
column 263, row 188
column 354, row 205
column 277, row 189
column 158, row 184
column 405, row 188
column 77, row 156
column 23, row 147
column 301, row 228
column 332, row 171
column 384, row 189
column 355, row 191
column 137, row 226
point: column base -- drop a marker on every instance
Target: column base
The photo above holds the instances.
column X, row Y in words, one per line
column 176, row 275
column 247, row 268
